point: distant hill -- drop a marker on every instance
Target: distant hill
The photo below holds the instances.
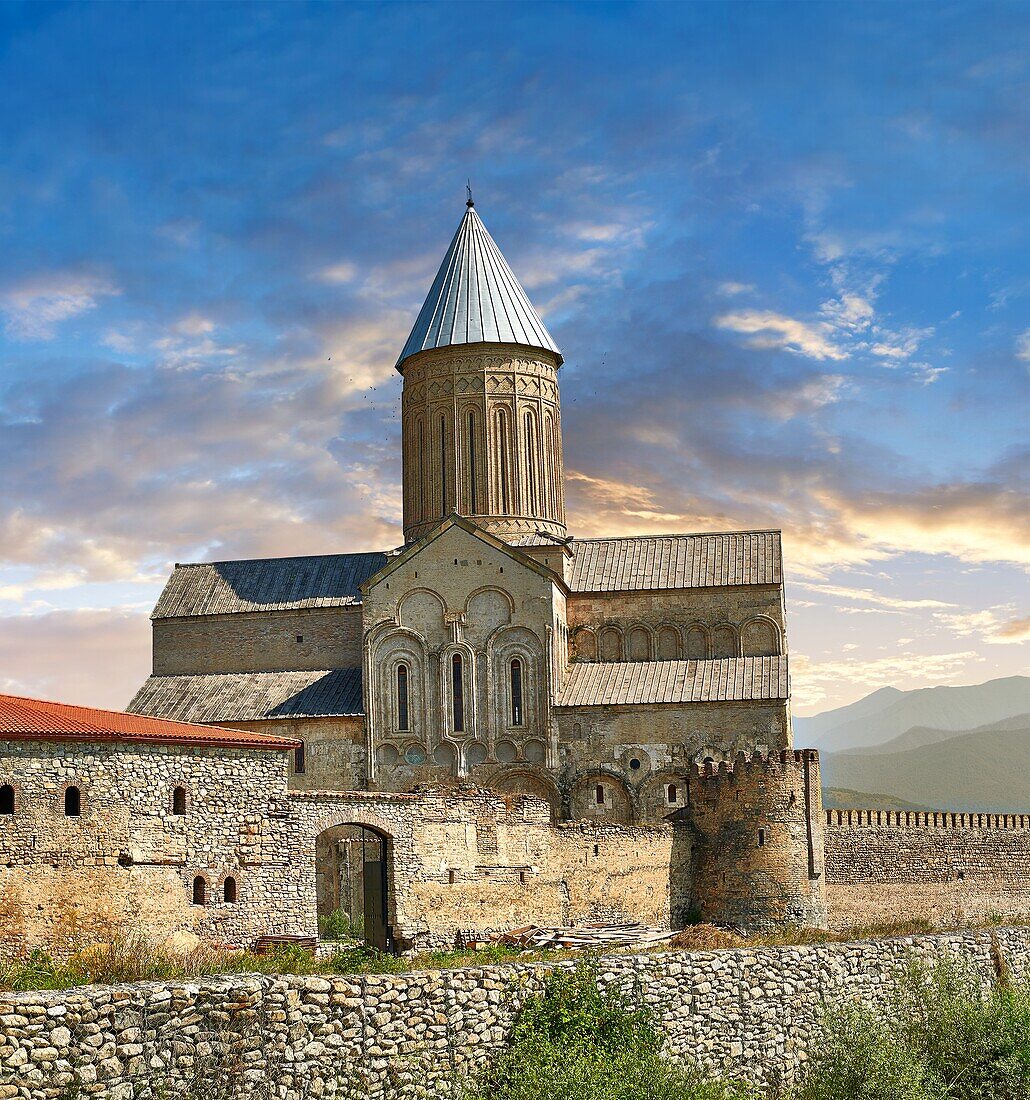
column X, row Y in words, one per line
column 840, row 798
column 918, row 736
column 888, row 713
column 983, row 769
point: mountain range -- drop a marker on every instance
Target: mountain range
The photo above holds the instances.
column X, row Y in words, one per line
column 956, row 748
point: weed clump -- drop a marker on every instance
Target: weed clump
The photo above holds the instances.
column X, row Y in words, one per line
column 575, row 1041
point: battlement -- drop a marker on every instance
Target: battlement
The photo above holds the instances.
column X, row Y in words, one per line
column 745, row 765
column 923, row 819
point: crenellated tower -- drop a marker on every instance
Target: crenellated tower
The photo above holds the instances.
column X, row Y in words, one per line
column 481, row 417
column 759, row 840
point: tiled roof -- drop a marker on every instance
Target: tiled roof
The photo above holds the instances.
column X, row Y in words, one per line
column 676, row 561
column 251, row 696
column 730, row 680
column 35, row 720
column 266, row 584
column 475, row 298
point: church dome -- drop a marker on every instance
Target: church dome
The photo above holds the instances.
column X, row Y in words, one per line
column 475, row 298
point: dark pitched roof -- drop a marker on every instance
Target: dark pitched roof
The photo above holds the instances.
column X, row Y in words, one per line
column 251, row 696
column 627, row 682
column 24, row 719
column 653, row 562
column 266, row 584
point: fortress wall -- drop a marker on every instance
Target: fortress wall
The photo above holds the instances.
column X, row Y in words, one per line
column 264, row 641
column 749, row 1013
column 884, row 866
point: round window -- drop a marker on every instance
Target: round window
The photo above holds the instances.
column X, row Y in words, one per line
column 415, row 755
column 635, row 764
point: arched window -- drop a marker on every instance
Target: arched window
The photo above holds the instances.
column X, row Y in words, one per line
column 516, row 692
column 457, row 694
column 599, row 794
column 502, row 461
column 531, row 461
column 673, row 793
column 421, row 486
column 473, row 501
column 199, row 891
column 72, row 802
column 229, row 891
column 299, row 760
column 179, row 801
column 443, row 466
column 402, row 697
column 6, row 799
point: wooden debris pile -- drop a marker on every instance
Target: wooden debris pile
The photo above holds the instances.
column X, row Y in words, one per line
column 584, row 936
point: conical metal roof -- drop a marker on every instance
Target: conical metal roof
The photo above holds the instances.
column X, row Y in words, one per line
column 475, row 298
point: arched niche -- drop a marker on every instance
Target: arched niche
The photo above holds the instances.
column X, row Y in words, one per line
column 601, row 796
column 610, row 644
column 759, row 637
column 668, row 643
column 422, row 612
column 724, row 641
column 638, row 644
column 584, row 643
column 697, row 648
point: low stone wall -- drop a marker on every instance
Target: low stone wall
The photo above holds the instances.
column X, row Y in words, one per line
column 749, row 1013
column 947, row 868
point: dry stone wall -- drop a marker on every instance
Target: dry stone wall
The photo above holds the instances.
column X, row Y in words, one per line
column 750, row 1013
column 943, row 867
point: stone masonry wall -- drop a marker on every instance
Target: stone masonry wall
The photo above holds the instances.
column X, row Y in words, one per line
column 129, row 861
column 943, row 867
column 749, row 1013
column 259, row 642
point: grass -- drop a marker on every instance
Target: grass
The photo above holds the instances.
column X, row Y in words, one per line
column 135, row 959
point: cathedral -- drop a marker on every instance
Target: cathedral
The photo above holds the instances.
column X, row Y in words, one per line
column 494, row 648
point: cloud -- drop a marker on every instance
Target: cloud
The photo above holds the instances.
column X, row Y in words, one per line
column 868, row 595
column 898, row 345
column 850, row 312
column 813, row 682
column 90, row 657
column 731, row 289
column 33, row 309
column 774, row 330
column 1023, row 346
column 1015, row 630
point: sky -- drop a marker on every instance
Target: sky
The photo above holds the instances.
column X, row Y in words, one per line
column 783, row 247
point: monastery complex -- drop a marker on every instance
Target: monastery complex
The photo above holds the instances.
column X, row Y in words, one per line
column 495, row 724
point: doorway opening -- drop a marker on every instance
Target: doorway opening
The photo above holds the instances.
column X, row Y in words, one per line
column 351, row 886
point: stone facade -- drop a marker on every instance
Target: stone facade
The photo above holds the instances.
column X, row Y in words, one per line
column 743, row 1013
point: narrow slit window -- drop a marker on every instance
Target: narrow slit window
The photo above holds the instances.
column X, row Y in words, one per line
column 599, row 794
column 199, row 891
column 531, row 459
column 673, row 793
column 421, row 486
column 457, row 694
column 6, row 799
column 229, row 891
column 516, row 692
column 299, row 759
column 502, row 460
column 761, row 838
column 72, row 802
column 473, row 502
column 179, row 801
column 402, row 698
column 443, row 466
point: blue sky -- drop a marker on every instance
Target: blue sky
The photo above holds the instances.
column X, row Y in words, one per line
column 783, row 248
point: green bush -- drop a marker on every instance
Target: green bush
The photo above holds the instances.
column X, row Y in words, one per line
column 940, row 1036
column 575, row 1042
column 340, row 925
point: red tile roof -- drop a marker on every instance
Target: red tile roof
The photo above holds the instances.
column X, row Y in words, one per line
column 24, row 719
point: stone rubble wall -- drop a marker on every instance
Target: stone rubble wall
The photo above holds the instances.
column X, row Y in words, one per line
column 947, row 868
column 743, row 1013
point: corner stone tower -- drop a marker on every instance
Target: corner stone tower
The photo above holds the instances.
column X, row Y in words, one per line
column 481, row 418
column 759, row 840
